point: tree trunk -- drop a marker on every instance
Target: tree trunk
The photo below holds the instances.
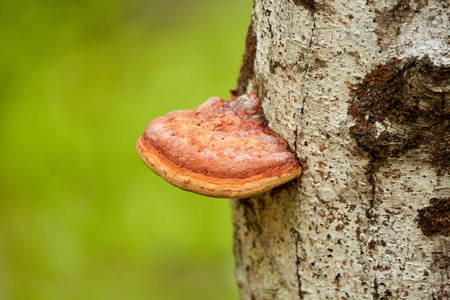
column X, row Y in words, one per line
column 360, row 90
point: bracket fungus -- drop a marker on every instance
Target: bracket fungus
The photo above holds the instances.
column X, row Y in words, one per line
column 221, row 149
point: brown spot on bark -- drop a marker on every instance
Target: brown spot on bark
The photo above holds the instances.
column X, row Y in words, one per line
column 342, row 21
column 321, row 164
column 435, row 219
column 354, row 53
column 339, row 227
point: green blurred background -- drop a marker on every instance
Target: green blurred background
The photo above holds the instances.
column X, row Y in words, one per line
column 81, row 217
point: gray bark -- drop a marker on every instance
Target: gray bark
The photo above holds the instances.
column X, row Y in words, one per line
column 360, row 90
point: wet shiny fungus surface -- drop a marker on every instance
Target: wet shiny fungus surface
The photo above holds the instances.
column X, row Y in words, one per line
column 221, row 139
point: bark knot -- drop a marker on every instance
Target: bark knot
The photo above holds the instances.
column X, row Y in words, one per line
column 403, row 104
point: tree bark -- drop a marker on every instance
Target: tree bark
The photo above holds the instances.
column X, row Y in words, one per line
column 360, row 90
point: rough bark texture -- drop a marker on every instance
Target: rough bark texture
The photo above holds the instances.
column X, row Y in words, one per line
column 360, row 90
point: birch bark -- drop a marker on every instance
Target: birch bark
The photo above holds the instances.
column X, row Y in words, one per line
column 360, row 90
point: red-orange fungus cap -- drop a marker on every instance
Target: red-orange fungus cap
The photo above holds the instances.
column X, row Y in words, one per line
column 220, row 149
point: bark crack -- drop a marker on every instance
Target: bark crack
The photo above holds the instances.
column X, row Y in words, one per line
column 307, row 56
column 371, row 178
column 296, row 141
column 308, row 63
column 297, row 239
column 370, row 215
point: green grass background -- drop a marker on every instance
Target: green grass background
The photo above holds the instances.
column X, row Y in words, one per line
column 81, row 217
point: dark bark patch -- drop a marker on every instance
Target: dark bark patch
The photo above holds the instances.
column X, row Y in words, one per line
column 440, row 157
column 251, row 207
column 307, row 60
column 401, row 105
column 441, row 260
column 390, row 21
column 262, row 90
column 294, row 67
column 273, row 65
column 247, row 70
column 320, row 63
column 435, row 219
column 288, row 187
column 308, row 4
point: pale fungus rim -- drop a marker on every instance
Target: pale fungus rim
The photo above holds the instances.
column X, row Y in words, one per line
column 211, row 186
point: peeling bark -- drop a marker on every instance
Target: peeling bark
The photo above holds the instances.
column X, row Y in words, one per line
column 361, row 92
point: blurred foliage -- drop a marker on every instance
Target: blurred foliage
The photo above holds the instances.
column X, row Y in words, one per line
column 81, row 217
